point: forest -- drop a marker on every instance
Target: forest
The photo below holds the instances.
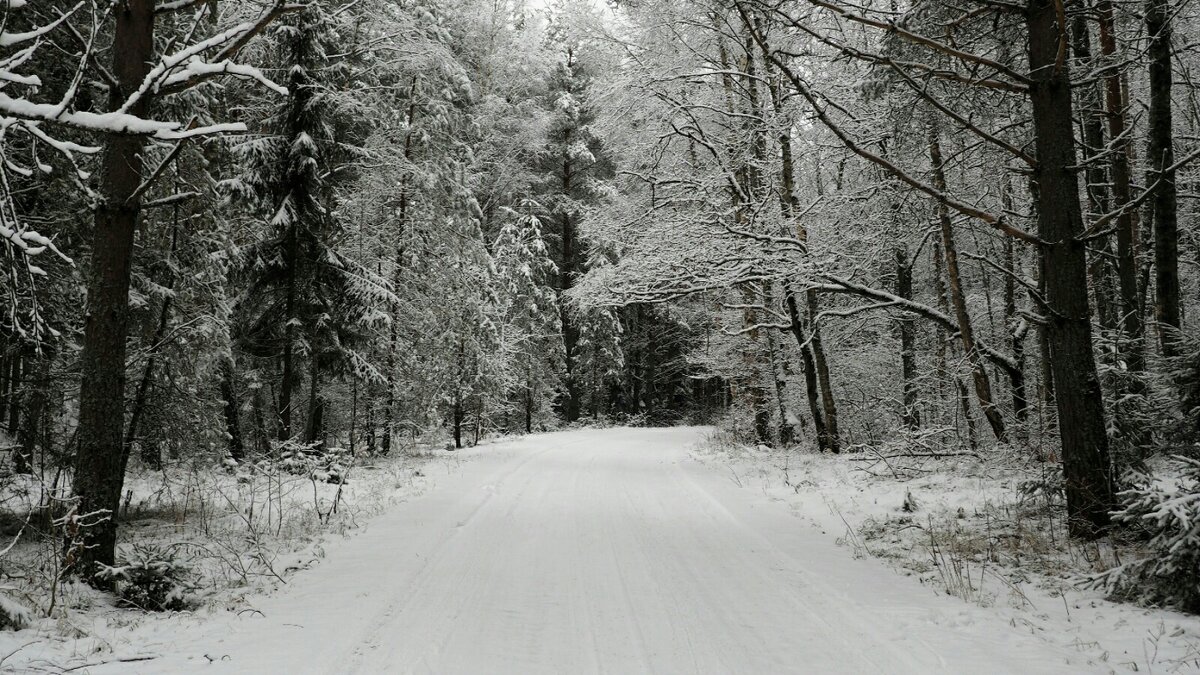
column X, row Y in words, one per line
column 269, row 237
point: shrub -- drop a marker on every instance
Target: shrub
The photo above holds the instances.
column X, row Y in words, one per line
column 1167, row 508
column 150, row 578
column 314, row 460
column 13, row 615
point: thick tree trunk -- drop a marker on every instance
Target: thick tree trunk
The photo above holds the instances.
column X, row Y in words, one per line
column 1161, row 176
column 1086, row 465
column 983, row 385
column 99, row 474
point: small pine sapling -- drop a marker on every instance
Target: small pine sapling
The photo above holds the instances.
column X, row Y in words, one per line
column 1167, row 508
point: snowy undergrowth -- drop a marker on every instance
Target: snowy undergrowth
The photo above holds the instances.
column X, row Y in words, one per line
column 989, row 529
column 222, row 533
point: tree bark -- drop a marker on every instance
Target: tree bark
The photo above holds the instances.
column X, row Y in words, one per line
column 36, row 402
column 1096, row 185
column 568, row 269
column 1161, row 176
column 820, row 397
column 983, row 386
column 389, row 406
column 287, row 379
column 785, row 433
column 529, row 406
column 833, row 438
column 811, row 388
column 99, row 474
column 457, row 414
column 230, row 410
column 1086, row 465
column 15, row 390
column 315, row 420
column 1017, row 328
column 906, row 327
column 1127, row 222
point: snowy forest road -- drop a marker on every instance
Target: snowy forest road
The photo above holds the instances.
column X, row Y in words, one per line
column 601, row 551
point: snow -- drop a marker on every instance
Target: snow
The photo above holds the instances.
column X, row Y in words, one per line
column 594, row 551
column 11, row 39
column 1020, row 570
column 115, row 122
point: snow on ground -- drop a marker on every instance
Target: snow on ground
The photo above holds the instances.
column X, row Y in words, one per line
column 587, row 551
column 979, row 530
column 629, row 551
column 239, row 532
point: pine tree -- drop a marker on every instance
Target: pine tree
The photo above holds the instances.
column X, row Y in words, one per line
column 532, row 332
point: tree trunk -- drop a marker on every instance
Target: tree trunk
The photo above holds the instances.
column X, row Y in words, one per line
column 906, row 327
column 233, row 426
column 389, row 407
column 1161, row 176
column 752, row 374
column 314, row 431
column 458, row 419
column 1086, row 466
column 5, row 394
column 964, row 403
column 811, row 387
column 287, row 378
column 149, row 452
column 784, row 431
column 529, row 406
column 36, row 402
column 983, row 386
column 1096, row 185
column 833, row 439
column 1017, row 328
column 570, row 328
column 14, row 391
column 369, row 423
column 1127, row 224
column 99, row 471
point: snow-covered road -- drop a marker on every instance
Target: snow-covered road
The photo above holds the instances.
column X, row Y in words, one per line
column 600, row 551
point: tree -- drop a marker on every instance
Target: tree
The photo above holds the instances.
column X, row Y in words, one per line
column 139, row 77
column 531, row 331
